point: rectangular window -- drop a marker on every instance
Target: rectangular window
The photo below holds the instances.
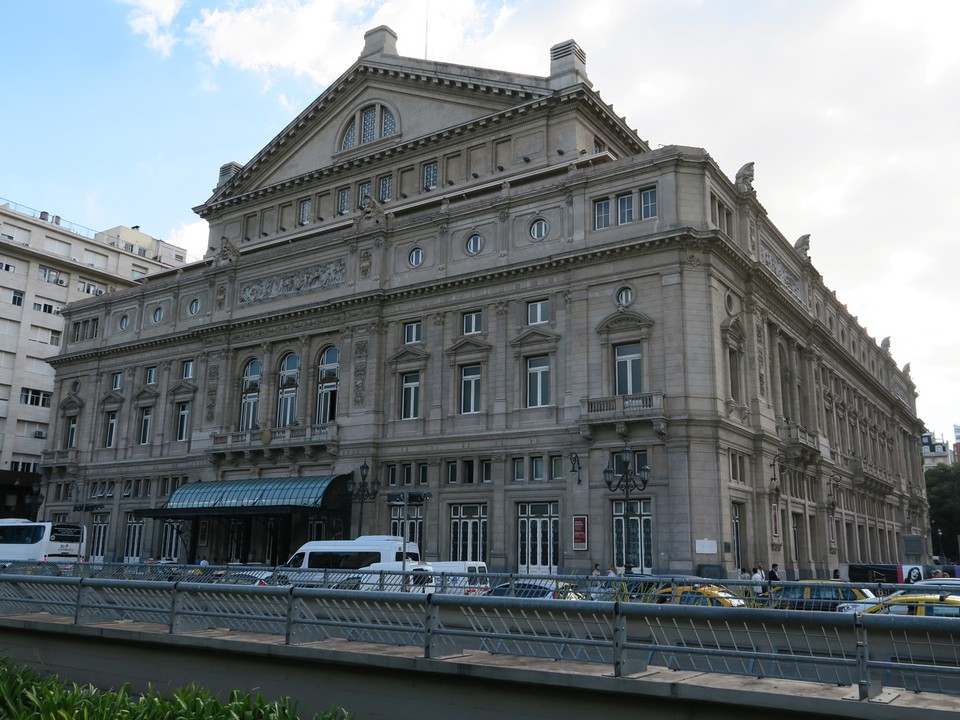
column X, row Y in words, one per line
column 146, row 420
column 519, row 465
column 468, row 475
column 451, row 472
column 648, row 203
column 37, row 398
column 304, row 211
column 86, row 329
column 363, row 191
column 117, row 381
column 472, row 322
column 343, row 201
column 556, row 467
column 486, row 471
column 538, row 381
column 407, row 473
column 43, row 307
column 17, row 298
column 628, row 369
column 720, row 214
column 71, row 432
column 624, row 209
column 601, row 214
column 183, row 421
column 470, row 389
column 538, row 312
column 412, row 332
column 150, row 375
column 392, row 475
column 55, row 336
column 410, row 401
column 49, row 275
column 110, row 429
column 422, row 473
column 186, row 369
column 385, row 188
column 430, row 175
column 536, row 469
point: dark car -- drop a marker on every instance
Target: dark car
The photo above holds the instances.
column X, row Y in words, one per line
column 812, row 595
column 534, row 589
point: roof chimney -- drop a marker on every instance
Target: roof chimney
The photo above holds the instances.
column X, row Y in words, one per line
column 227, row 172
column 379, row 41
column 568, row 65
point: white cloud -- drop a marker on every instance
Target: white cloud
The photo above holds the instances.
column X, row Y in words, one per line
column 153, row 19
column 193, row 237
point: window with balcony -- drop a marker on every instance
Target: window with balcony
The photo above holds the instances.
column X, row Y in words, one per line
column 328, row 385
column 250, row 395
column 289, row 385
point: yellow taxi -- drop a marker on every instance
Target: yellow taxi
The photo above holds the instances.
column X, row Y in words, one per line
column 920, row 604
column 712, row 595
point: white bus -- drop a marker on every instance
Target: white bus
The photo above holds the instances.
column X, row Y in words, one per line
column 30, row 541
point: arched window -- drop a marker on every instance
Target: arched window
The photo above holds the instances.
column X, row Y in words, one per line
column 287, row 390
column 250, row 395
column 370, row 123
column 328, row 383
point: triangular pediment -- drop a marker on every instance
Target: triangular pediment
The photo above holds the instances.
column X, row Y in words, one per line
column 535, row 336
column 469, row 345
column 426, row 98
column 182, row 388
column 409, row 355
column 146, row 394
column 112, row 398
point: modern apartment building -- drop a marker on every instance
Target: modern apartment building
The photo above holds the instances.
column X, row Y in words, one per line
column 544, row 343
column 45, row 263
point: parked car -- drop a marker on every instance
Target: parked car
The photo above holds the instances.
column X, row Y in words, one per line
column 920, row 604
column 933, row 585
column 699, row 594
column 822, row 595
column 230, row 578
column 536, row 589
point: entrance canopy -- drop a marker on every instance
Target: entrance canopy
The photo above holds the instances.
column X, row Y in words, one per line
column 272, row 496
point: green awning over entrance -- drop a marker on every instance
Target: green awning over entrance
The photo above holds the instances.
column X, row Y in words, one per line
column 272, row 492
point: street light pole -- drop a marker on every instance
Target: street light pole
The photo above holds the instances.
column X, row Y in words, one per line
column 362, row 492
column 628, row 481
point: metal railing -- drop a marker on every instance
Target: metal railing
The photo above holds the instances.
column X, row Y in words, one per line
column 866, row 652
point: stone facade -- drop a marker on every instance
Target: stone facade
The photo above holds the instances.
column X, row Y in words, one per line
column 485, row 285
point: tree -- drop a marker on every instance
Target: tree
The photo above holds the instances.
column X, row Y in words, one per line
column 943, row 494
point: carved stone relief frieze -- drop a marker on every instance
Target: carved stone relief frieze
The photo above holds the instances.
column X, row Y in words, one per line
column 289, row 284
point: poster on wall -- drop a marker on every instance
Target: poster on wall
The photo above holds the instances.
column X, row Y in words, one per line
column 580, row 532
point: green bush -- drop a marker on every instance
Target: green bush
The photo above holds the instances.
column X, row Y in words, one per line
column 24, row 695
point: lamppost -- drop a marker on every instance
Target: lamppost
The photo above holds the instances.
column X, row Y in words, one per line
column 34, row 501
column 628, row 481
column 940, row 543
column 362, row 492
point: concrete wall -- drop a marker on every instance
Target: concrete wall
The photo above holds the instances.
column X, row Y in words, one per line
column 382, row 682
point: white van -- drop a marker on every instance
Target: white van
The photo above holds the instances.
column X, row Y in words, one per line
column 340, row 559
column 412, row 577
column 461, row 577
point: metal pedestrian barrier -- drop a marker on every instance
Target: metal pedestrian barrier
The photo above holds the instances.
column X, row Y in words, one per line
column 865, row 652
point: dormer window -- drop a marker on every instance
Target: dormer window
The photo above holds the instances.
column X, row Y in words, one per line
column 372, row 122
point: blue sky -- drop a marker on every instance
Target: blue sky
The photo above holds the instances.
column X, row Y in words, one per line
column 122, row 111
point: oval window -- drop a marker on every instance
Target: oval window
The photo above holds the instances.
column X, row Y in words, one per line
column 416, row 257
column 474, row 243
column 158, row 314
column 124, row 322
column 194, row 306
column 538, row 229
column 625, row 296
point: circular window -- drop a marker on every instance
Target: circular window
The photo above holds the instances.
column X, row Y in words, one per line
column 624, row 296
column 538, row 229
column 158, row 314
column 416, row 257
column 474, row 243
column 729, row 303
column 194, row 306
column 124, row 322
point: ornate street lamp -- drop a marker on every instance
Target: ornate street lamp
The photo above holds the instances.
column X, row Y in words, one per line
column 630, row 480
column 34, row 501
column 362, row 492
